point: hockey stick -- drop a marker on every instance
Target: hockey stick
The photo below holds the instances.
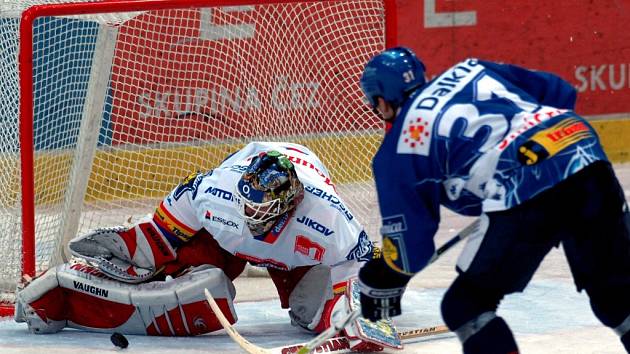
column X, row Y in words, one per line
column 467, row 231
column 242, row 342
column 339, row 345
column 254, row 349
column 328, row 333
column 423, row 332
column 324, row 341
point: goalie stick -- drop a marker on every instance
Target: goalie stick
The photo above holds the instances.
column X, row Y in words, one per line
column 339, row 345
column 324, row 341
column 301, row 349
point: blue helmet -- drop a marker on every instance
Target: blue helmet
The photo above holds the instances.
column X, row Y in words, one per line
column 393, row 75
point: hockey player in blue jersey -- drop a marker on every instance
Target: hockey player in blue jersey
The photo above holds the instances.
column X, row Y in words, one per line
column 502, row 143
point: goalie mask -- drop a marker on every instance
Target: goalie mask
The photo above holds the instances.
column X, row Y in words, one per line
column 267, row 189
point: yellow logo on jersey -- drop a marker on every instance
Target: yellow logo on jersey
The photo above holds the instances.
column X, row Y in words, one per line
column 190, row 177
column 168, row 222
column 390, row 254
column 550, row 141
column 389, row 249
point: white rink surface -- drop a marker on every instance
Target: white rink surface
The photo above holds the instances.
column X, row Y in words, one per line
column 549, row 317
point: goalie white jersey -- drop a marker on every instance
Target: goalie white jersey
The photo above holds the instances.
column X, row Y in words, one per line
column 320, row 230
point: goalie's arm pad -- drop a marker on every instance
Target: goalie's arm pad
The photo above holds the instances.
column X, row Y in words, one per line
column 204, row 249
column 79, row 296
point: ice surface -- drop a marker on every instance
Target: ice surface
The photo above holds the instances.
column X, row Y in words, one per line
column 549, row 317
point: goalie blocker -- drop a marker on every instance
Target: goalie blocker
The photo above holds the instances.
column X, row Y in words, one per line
column 80, row 296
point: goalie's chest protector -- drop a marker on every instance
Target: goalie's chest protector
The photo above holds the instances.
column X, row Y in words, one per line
column 320, row 230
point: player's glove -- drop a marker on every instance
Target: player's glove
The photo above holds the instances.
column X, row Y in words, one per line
column 381, row 290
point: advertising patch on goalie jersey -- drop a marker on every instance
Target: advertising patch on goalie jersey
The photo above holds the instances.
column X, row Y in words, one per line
column 394, row 253
column 222, row 221
column 315, row 225
column 334, row 201
column 171, row 227
column 220, row 193
column 309, row 248
column 363, row 249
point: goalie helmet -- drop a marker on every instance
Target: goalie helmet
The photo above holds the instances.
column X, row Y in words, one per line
column 267, row 189
column 393, row 75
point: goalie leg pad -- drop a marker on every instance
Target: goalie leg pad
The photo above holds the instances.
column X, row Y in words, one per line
column 42, row 314
column 178, row 307
column 81, row 297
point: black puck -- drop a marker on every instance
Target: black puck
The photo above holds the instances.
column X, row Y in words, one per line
column 119, row 340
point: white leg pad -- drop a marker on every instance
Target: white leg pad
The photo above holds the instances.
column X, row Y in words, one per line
column 38, row 321
column 81, row 297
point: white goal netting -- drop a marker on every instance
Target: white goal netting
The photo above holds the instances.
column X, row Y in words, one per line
column 127, row 103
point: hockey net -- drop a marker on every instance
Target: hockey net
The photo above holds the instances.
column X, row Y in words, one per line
column 129, row 97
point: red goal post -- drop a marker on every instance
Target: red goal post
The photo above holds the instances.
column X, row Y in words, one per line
column 157, row 89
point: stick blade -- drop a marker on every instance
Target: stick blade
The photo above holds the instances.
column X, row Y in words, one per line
column 231, row 331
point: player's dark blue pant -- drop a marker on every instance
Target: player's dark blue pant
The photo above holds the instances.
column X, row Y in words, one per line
column 588, row 214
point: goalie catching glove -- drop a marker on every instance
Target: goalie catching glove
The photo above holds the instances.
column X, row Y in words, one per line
column 128, row 254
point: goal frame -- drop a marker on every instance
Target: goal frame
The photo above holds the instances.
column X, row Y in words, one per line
column 26, row 87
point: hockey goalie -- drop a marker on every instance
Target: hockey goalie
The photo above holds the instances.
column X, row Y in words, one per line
column 270, row 204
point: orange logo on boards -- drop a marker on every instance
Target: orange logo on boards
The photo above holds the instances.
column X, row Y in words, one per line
column 415, row 132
